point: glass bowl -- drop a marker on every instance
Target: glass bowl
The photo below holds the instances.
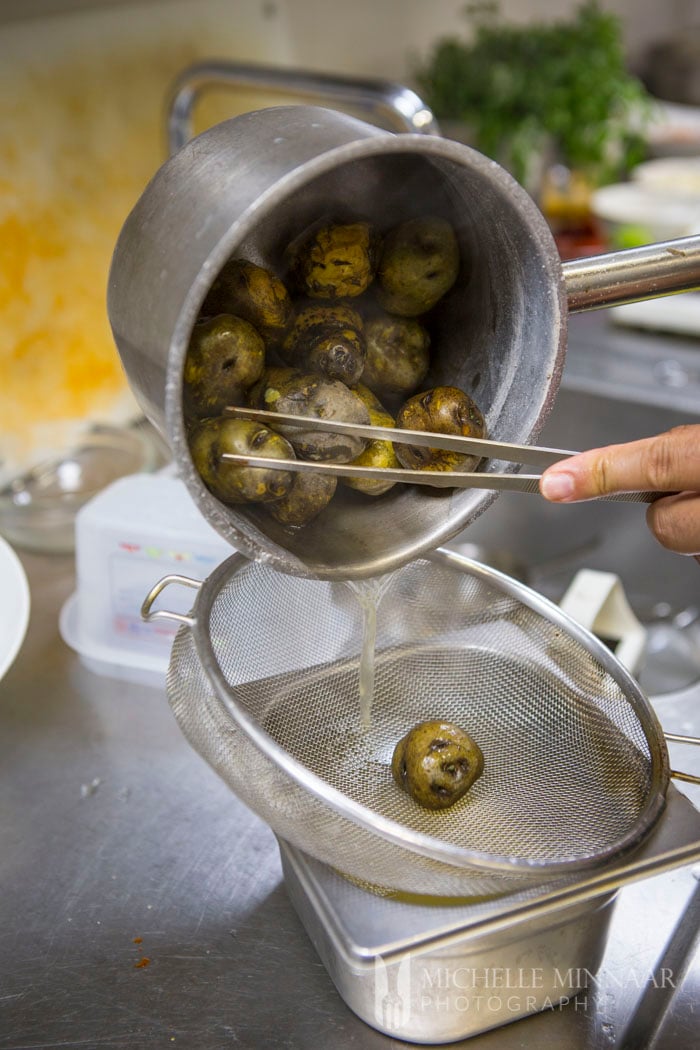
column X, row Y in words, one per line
column 38, row 508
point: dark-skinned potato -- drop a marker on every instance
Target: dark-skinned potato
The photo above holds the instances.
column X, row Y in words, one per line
column 369, row 398
column 225, row 357
column 326, row 338
column 250, row 292
column 397, row 356
column 310, row 315
column 230, row 482
column 307, row 394
column 418, row 265
column 436, row 763
column 334, row 260
column 268, row 385
column 378, row 453
column 308, row 496
column 442, row 410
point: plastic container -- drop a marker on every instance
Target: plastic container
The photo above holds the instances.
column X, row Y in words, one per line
column 127, row 537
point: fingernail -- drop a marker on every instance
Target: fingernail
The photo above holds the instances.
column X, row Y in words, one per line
column 557, row 486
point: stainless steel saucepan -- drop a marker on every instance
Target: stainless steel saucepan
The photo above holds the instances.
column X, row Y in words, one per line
column 249, row 185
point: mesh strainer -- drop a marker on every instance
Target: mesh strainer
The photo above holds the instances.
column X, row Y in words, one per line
column 264, row 682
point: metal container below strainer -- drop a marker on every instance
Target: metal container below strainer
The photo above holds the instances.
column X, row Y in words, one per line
column 438, row 974
column 264, row 682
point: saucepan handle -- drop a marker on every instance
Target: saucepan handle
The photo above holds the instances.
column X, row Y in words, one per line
column 389, row 101
column 632, row 274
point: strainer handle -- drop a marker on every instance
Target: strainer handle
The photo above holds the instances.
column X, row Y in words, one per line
column 385, row 99
column 679, row 738
column 149, row 614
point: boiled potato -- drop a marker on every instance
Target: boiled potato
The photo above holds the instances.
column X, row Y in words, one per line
column 306, row 394
column 231, row 482
column 442, row 410
column 308, row 496
column 436, row 763
column 334, row 260
column 226, row 355
column 326, row 338
column 378, row 453
column 418, row 265
column 267, row 387
column 250, row 292
column 397, row 356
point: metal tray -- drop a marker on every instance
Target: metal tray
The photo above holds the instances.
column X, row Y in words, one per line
column 432, row 972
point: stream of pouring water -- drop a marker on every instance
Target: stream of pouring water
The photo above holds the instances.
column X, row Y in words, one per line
column 368, row 594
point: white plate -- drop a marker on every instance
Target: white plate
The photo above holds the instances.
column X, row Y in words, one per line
column 14, row 606
column 634, row 202
column 679, row 314
column 670, row 175
column 674, row 131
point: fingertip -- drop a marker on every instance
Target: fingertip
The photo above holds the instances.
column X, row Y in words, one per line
column 557, row 486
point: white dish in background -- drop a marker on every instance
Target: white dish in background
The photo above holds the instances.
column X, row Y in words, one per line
column 14, row 606
column 636, row 214
column 632, row 202
column 674, row 130
column 677, row 314
column 670, row 175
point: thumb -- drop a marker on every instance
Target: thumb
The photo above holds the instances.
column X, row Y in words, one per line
column 669, row 462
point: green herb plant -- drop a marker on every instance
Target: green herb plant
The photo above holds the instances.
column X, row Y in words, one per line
column 559, row 88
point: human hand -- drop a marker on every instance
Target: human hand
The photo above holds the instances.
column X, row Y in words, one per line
column 668, row 462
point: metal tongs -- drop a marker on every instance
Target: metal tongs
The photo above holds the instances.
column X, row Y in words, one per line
column 533, row 454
